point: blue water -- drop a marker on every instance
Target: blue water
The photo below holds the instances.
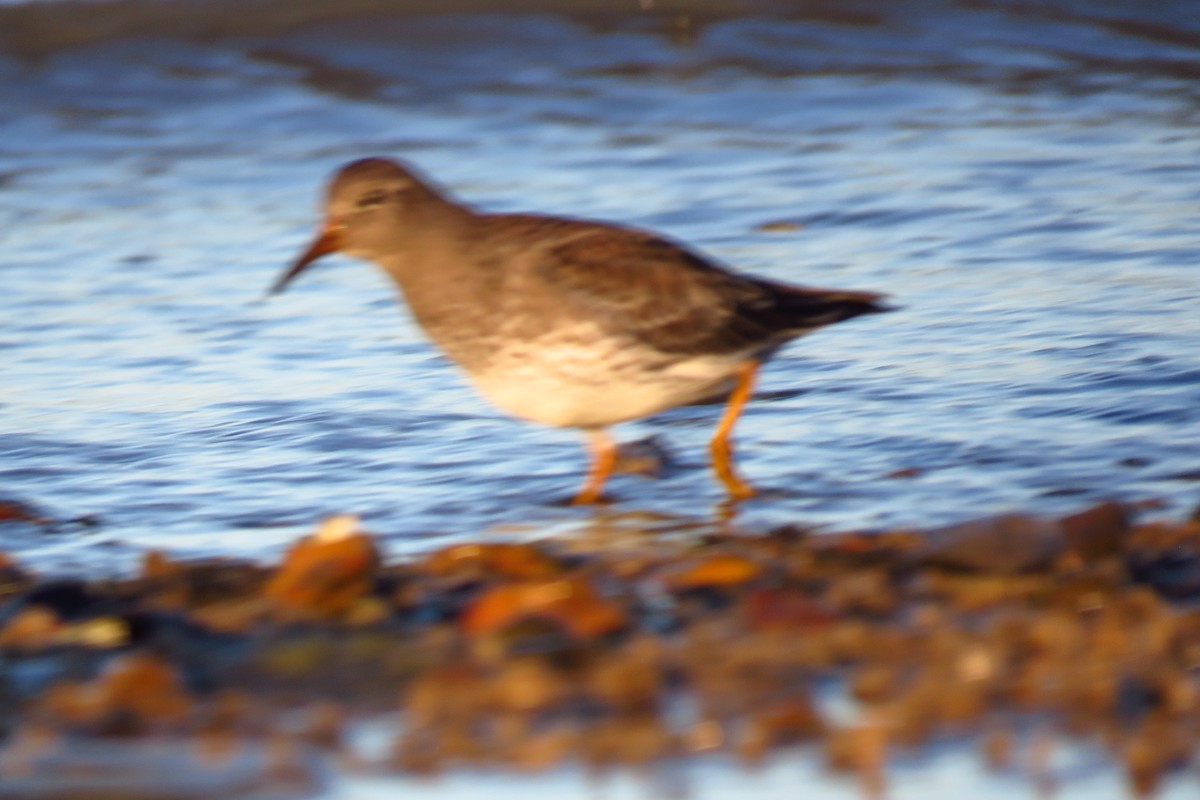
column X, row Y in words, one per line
column 1023, row 180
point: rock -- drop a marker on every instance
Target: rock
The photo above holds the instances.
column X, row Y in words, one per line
column 646, row 457
column 19, row 511
column 134, row 693
column 787, row 609
column 323, row 575
column 1097, row 532
column 1173, row 572
column 31, row 629
column 789, row 722
column 69, row 599
column 571, row 602
column 526, row 685
column 998, row 746
column 1007, row 543
column 714, row 571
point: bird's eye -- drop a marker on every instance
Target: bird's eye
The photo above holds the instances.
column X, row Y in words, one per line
column 373, row 198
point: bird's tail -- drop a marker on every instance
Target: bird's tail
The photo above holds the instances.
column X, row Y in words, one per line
column 805, row 308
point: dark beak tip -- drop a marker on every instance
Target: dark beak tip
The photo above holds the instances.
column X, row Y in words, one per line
column 282, row 282
column 277, row 287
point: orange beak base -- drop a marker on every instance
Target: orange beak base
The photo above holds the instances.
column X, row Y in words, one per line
column 328, row 241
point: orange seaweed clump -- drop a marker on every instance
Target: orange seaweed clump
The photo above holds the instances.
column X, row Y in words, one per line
column 715, row 571
column 135, row 692
column 571, row 602
column 32, row 628
column 325, row 574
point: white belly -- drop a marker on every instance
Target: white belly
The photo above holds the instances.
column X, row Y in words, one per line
column 569, row 384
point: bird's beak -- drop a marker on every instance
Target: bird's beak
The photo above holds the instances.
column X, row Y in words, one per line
column 329, row 240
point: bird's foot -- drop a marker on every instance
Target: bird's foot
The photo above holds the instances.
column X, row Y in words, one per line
column 738, row 489
column 590, row 499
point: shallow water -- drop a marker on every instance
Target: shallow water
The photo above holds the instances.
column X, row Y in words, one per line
column 1023, row 180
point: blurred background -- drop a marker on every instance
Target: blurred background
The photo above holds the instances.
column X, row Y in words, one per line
column 1023, row 179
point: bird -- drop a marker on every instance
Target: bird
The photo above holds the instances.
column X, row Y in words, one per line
column 570, row 322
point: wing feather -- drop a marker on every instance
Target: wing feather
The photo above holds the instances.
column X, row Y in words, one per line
column 667, row 297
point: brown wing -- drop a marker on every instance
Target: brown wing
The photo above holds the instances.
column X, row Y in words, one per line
column 676, row 301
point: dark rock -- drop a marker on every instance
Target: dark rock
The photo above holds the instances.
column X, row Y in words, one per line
column 1097, row 532
column 1007, row 543
column 1174, row 573
column 68, row 599
column 19, row 511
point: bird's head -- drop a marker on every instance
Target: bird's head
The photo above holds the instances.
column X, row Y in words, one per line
column 371, row 207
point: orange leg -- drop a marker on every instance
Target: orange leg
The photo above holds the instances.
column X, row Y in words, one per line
column 604, row 458
column 722, row 451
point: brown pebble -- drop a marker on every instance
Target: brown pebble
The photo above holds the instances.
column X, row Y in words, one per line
column 913, row 715
column 1097, row 532
column 1007, row 543
column 418, row 753
column 286, row 759
column 367, row 611
column 786, row 609
column 236, row 616
column 998, row 747
column 1041, row 755
column 539, row 751
column 146, row 685
column 852, row 639
column 27, row 747
column 323, row 575
column 874, row 683
column 135, row 691
column 628, row 740
column 865, row 590
column 627, row 684
column 32, row 628
column 962, row 702
column 715, row 571
column 571, row 602
column 646, row 457
column 704, row 735
column 789, row 722
column 1143, row 766
column 324, row 724
column 445, row 696
column 528, row 684
column 215, row 749
column 861, row 749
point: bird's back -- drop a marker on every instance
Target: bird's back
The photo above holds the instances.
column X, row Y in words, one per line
column 656, row 291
